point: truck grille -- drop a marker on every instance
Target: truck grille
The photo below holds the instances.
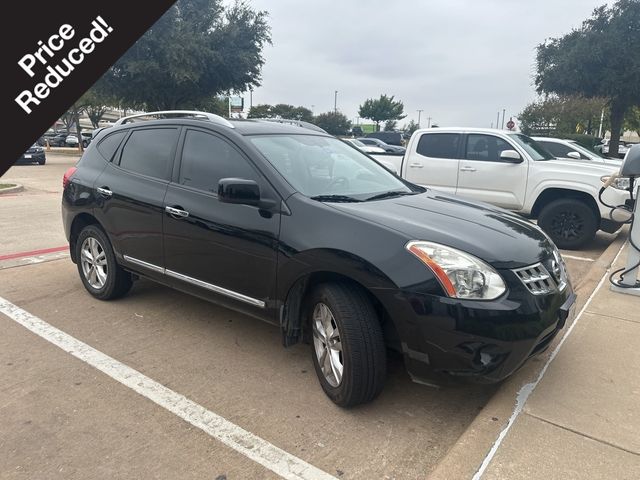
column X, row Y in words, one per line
column 537, row 279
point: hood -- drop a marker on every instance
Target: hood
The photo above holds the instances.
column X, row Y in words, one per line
column 598, row 167
column 498, row 237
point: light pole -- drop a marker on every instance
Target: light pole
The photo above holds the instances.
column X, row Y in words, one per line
column 503, row 110
column 335, row 102
column 419, row 113
column 498, row 119
column 428, row 122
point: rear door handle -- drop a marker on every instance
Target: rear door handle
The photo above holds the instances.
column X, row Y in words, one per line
column 104, row 191
column 416, row 165
column 467, row 169
column 176, row 212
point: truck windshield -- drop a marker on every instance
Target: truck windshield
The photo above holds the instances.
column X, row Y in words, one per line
column 327, row 169
column 533, row 148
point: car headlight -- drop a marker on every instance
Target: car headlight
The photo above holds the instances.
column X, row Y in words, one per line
column 461, row 275
column 620, row 183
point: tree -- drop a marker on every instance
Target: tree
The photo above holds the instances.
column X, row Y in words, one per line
column 198, row 49
column 334, row 123
column 281, row 110
column 390, row 125
column 599, row 59
column 71, row 119
column 562, row 115
column 382, row 109
column 411, row 127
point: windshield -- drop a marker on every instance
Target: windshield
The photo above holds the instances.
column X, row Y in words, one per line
column 533, row 148
column 355, row 142
column 584, row 150
column 325, row 167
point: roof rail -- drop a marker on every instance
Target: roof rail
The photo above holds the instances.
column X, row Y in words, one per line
column 212, row 117
column 297, row 123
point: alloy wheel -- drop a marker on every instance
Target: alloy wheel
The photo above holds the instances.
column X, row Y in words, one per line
column 567, row 225
column 94, row 262
column 327, row 344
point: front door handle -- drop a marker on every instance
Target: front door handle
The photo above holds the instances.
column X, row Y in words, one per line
column 416, row 165
column 104, row 191
column 467, row 169
column 176, row 212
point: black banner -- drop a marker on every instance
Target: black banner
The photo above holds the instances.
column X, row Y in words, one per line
column 55, row 52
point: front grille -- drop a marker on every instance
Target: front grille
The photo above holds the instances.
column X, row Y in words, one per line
column 537, row 279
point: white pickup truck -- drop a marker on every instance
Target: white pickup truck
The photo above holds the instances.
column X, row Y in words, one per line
column 512, row 171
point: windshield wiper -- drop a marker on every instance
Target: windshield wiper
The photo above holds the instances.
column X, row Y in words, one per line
column 389, row 194
column 335, row 198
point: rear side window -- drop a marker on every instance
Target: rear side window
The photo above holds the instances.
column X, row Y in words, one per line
column 207, row 158
column 150, row 152
column 485, row 147
column 109, row 144
column 439, row 145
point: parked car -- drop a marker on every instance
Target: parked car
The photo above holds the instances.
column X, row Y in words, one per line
column 512, row 171
column 361, row 146
column 376, row 142
column 58, row 140
column 391, row 138
column 604, row 148
column 34, row 154
column 71, row 141
column 572, row 150
column 357, row 131
column 294, row 227
column 86, row 138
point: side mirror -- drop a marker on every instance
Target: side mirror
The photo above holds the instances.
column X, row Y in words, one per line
column 239, row 191
column 574, row 155
column 510, row 156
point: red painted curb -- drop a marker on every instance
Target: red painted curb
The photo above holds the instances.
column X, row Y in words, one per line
column 33, row 253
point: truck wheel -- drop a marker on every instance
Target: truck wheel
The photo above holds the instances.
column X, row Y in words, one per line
column 569, row 222
column 101, row 275
column 348, row 348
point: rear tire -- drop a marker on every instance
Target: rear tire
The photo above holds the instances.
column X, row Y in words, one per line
column 42, row 162
column 100, row 273
column 348, row 348
column 570, row 223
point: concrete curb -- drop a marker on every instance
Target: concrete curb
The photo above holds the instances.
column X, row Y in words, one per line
column 466, row 455
column 15, row 189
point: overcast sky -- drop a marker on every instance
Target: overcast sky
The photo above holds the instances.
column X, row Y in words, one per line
column 459, row 60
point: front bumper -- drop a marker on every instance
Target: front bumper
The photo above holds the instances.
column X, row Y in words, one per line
column 29, row 157
column 482, row 340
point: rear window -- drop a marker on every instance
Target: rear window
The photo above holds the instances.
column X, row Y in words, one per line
column 150, row 152
column 439, row 145
column 109, row 144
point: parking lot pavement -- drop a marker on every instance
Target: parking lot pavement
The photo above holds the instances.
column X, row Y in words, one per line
column 231, row 364
column 31, row 219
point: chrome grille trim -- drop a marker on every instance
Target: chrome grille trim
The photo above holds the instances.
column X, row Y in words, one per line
column 537, row 279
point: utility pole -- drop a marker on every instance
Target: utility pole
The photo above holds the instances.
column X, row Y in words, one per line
column 312, row 109
column 498, row 119
column 428, row 122
column 335, row 102
column 419, row 113
column 503, row 110
column 601, row 120
column 250, row 99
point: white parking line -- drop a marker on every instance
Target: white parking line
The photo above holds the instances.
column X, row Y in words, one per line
column 525, row 392
column 573, row 257
column 260, row 451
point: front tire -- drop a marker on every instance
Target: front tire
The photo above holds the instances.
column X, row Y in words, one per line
column 570, row 223
column 348, row 348
column 100, row 273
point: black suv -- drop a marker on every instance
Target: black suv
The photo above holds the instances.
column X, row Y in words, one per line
column 295, row 227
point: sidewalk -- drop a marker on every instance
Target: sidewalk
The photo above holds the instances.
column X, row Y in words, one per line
column 583, row 418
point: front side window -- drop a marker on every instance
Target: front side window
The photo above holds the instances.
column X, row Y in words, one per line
column 533, row 148
column 439, row 145
column 207, row 158
column 485, row 147
column 150, row 151
column 560, row 150
column 319, row 166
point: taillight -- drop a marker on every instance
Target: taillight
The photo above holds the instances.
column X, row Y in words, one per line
column 67, row 177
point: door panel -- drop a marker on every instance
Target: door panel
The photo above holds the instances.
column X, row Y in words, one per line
column 226, row 246
column 435, row 161
column 130, row 203
column 484, row 176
